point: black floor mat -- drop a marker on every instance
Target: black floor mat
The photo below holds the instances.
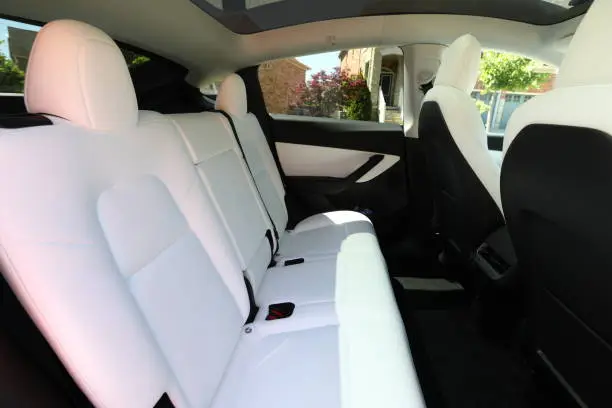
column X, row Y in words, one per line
column 459, row 366
column 468, row 369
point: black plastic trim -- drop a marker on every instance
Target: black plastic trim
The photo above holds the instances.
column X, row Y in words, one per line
column 23, row 120
column 164, row 402
column 495, row 142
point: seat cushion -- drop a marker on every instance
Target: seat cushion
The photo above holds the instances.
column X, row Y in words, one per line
column 325, row 233
column 320, row 279
column 352, row 353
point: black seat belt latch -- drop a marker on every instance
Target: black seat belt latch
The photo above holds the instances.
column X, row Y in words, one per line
column 295, row 261
column 279, row 311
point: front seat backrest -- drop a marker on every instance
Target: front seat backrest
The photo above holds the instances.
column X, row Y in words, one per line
column 465, row 177
column 556, row 189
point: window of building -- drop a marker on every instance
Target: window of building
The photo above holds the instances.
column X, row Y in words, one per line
column 16, row 41
column 345, row 84
column 507, row 81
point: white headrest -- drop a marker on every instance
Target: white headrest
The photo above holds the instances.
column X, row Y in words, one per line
column 77, row 72
column 460, row 64
column 232, row 96
column 587, row 62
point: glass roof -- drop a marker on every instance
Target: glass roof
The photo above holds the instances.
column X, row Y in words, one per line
column 252, row 16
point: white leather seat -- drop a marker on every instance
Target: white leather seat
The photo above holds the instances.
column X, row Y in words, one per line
column 217, row 156
column 316, row 235
column 464, row 175
column 555, row 189
column 121, row 254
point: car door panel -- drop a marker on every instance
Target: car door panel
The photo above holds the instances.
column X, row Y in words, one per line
column 334, row 164
column 317, row 161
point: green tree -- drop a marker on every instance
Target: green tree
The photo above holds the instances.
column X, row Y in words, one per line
column 11, row 76
column 139, row 60
column 501, row 71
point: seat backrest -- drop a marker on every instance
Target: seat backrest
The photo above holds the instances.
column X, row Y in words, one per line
column 108, row 237
column 465, row 177
column 218, row 158
column 556, row 191
column 232, row 99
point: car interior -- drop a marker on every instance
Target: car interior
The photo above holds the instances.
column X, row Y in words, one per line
column 190, row 219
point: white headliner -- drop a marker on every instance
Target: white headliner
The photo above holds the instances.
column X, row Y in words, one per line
column 180, row 31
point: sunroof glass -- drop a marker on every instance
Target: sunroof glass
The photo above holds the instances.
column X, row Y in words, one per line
column 252, row 16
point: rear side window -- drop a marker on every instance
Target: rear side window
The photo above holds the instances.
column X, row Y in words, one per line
column 507, row 81
column 355, row 84
column 16, row 41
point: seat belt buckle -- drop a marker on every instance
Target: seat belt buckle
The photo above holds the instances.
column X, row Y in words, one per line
column 279, row 311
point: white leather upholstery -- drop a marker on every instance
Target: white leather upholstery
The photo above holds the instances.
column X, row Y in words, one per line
column 584, row 64
column 319, row 161
column 86, row 81
column 319, row 238
column 326, row 233
column 101, row 254
column 127, row 254
column 232, row 99
column 367, row 339
column 583, row 76
column 214, row 151
column 263, row 168
column 452, row 94
column 232, row 96
column 460, row 64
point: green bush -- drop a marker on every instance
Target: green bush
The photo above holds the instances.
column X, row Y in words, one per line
column 357, row 99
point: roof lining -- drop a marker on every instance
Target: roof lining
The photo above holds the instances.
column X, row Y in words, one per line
column 179, row 31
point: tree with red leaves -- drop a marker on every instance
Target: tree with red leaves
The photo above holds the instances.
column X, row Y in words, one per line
column 325, row 94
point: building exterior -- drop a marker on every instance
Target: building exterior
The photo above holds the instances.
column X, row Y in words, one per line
column 279, row 80
column 382, row 67
column 503, row 104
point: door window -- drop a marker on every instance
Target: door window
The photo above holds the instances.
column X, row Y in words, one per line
column 507, row 81
column 345, row 84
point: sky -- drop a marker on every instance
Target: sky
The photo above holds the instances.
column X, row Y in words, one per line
column 317, row 62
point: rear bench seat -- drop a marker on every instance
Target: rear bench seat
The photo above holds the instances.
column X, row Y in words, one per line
column 129, row 258
column 218, row 158
column 319, row 234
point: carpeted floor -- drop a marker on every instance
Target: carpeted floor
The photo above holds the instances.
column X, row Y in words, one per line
column 458, row 365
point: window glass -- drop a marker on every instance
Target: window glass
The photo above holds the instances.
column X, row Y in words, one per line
column 507, row 81
column 16, row 41
column 357, row 84
column 252, row 16
column 133, row 59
